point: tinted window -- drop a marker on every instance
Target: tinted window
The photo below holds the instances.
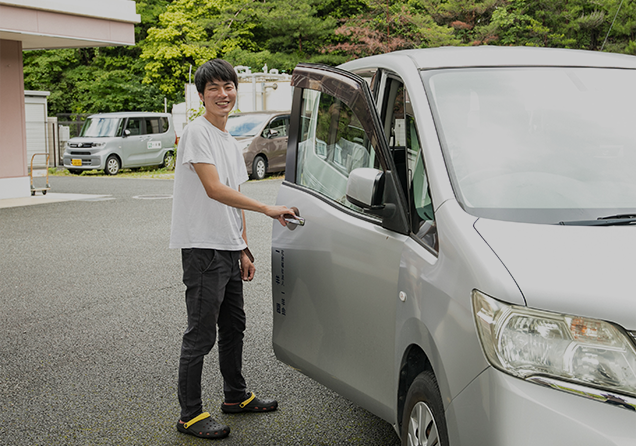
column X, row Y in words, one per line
column 134, row 126
column 152, row 125
column 404, row 142
column 278, row 127
column 165, row 124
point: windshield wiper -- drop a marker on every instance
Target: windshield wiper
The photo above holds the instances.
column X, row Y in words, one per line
column 610, row 220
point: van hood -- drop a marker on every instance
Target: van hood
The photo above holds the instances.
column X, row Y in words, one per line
column 577, row 270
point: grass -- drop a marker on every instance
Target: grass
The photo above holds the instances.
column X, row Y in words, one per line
column 141, row 172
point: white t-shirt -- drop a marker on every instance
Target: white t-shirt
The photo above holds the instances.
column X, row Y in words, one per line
column 197, row 220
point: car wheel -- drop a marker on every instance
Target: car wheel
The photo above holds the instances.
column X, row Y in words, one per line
column 168, row 161
column 112, row 165
column 423, row 422
column 259, row 168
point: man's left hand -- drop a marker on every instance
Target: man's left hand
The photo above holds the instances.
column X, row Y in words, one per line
column 247, row 268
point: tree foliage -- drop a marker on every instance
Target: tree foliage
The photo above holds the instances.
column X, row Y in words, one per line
column 176, row 36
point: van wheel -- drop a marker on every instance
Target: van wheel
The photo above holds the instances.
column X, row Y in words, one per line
column 423, row 422
column 259, row 168
column 168, row 161
column 112, row 165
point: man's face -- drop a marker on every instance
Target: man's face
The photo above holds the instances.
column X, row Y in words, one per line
column 219, row 97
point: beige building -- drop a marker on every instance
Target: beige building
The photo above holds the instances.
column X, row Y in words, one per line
column 46, row 24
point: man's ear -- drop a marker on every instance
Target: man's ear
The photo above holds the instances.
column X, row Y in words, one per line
column 201, row 97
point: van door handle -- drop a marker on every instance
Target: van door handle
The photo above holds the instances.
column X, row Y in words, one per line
column 292, row 222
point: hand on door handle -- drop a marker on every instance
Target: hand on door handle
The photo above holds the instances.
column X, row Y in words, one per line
column 293, row 221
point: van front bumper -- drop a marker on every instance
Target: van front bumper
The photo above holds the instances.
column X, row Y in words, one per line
column 89, row 162
column 497, row 409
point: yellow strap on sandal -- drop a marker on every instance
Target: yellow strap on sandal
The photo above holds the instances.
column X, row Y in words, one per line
column 203, row 416
column 247, row 401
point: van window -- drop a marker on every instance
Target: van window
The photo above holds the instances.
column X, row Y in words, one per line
column 134, row 126
column 279, row 125
column 404, row 142
column 165, row 125
column 332, row 144
column 152, row 125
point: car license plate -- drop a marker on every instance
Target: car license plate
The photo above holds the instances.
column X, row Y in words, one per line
column 76, row 162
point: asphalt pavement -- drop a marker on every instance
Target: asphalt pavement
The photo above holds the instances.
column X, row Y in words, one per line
column 92, row 313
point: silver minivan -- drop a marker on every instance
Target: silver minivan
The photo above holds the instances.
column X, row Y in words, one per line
column 465, row 265
column 113, row 141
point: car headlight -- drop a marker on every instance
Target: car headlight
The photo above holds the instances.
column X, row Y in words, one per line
column 98, row 144
column 540, row 346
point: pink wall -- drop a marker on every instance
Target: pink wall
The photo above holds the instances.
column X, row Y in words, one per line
column 75, row 30
column 12, row 114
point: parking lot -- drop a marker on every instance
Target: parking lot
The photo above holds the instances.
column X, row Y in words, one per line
column 91, row 321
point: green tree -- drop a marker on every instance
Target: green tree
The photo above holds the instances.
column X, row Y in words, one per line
column 389, row 26
column 245, row 32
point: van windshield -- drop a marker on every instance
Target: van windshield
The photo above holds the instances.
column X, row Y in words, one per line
column 245, row 125
column 540, row 145
column 97, row 127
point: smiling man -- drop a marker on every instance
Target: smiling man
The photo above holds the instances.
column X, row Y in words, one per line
column 208, row 225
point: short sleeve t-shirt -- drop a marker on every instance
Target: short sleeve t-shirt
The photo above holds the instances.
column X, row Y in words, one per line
column 197, row 220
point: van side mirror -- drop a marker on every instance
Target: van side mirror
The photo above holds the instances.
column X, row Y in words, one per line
column 377, row 193
column 271, row 133
column 126, row 133
column 365, row 188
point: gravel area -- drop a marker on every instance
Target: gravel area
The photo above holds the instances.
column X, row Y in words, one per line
column 91, row 322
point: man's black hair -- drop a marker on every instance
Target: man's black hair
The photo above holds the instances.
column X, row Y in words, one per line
column 214, row 70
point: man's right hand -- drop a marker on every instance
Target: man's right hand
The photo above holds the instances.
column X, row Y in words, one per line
column 279, row 213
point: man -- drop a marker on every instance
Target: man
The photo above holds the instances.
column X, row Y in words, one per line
column 208, row 225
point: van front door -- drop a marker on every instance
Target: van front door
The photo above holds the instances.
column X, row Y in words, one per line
column 335, row 277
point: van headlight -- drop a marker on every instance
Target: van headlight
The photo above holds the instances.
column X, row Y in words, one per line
column 533, row 344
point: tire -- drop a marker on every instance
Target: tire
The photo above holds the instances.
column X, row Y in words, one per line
column 112, row 165
column 168, row 161
column 259, row 168
column 423, row 421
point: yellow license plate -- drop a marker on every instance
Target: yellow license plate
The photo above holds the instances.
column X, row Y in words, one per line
column 76, row 162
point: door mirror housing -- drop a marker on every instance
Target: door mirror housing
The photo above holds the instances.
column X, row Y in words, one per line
column 375, row 191
column 365, row 188
column 126, row 133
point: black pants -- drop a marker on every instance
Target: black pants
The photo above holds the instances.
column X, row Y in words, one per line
column 214, row 296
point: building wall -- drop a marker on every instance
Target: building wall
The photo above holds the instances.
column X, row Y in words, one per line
column 14, row 181
column 46, row 24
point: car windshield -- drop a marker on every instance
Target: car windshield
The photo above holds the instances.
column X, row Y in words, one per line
column 540, row 145
column 100, row 127
column 245, row 125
